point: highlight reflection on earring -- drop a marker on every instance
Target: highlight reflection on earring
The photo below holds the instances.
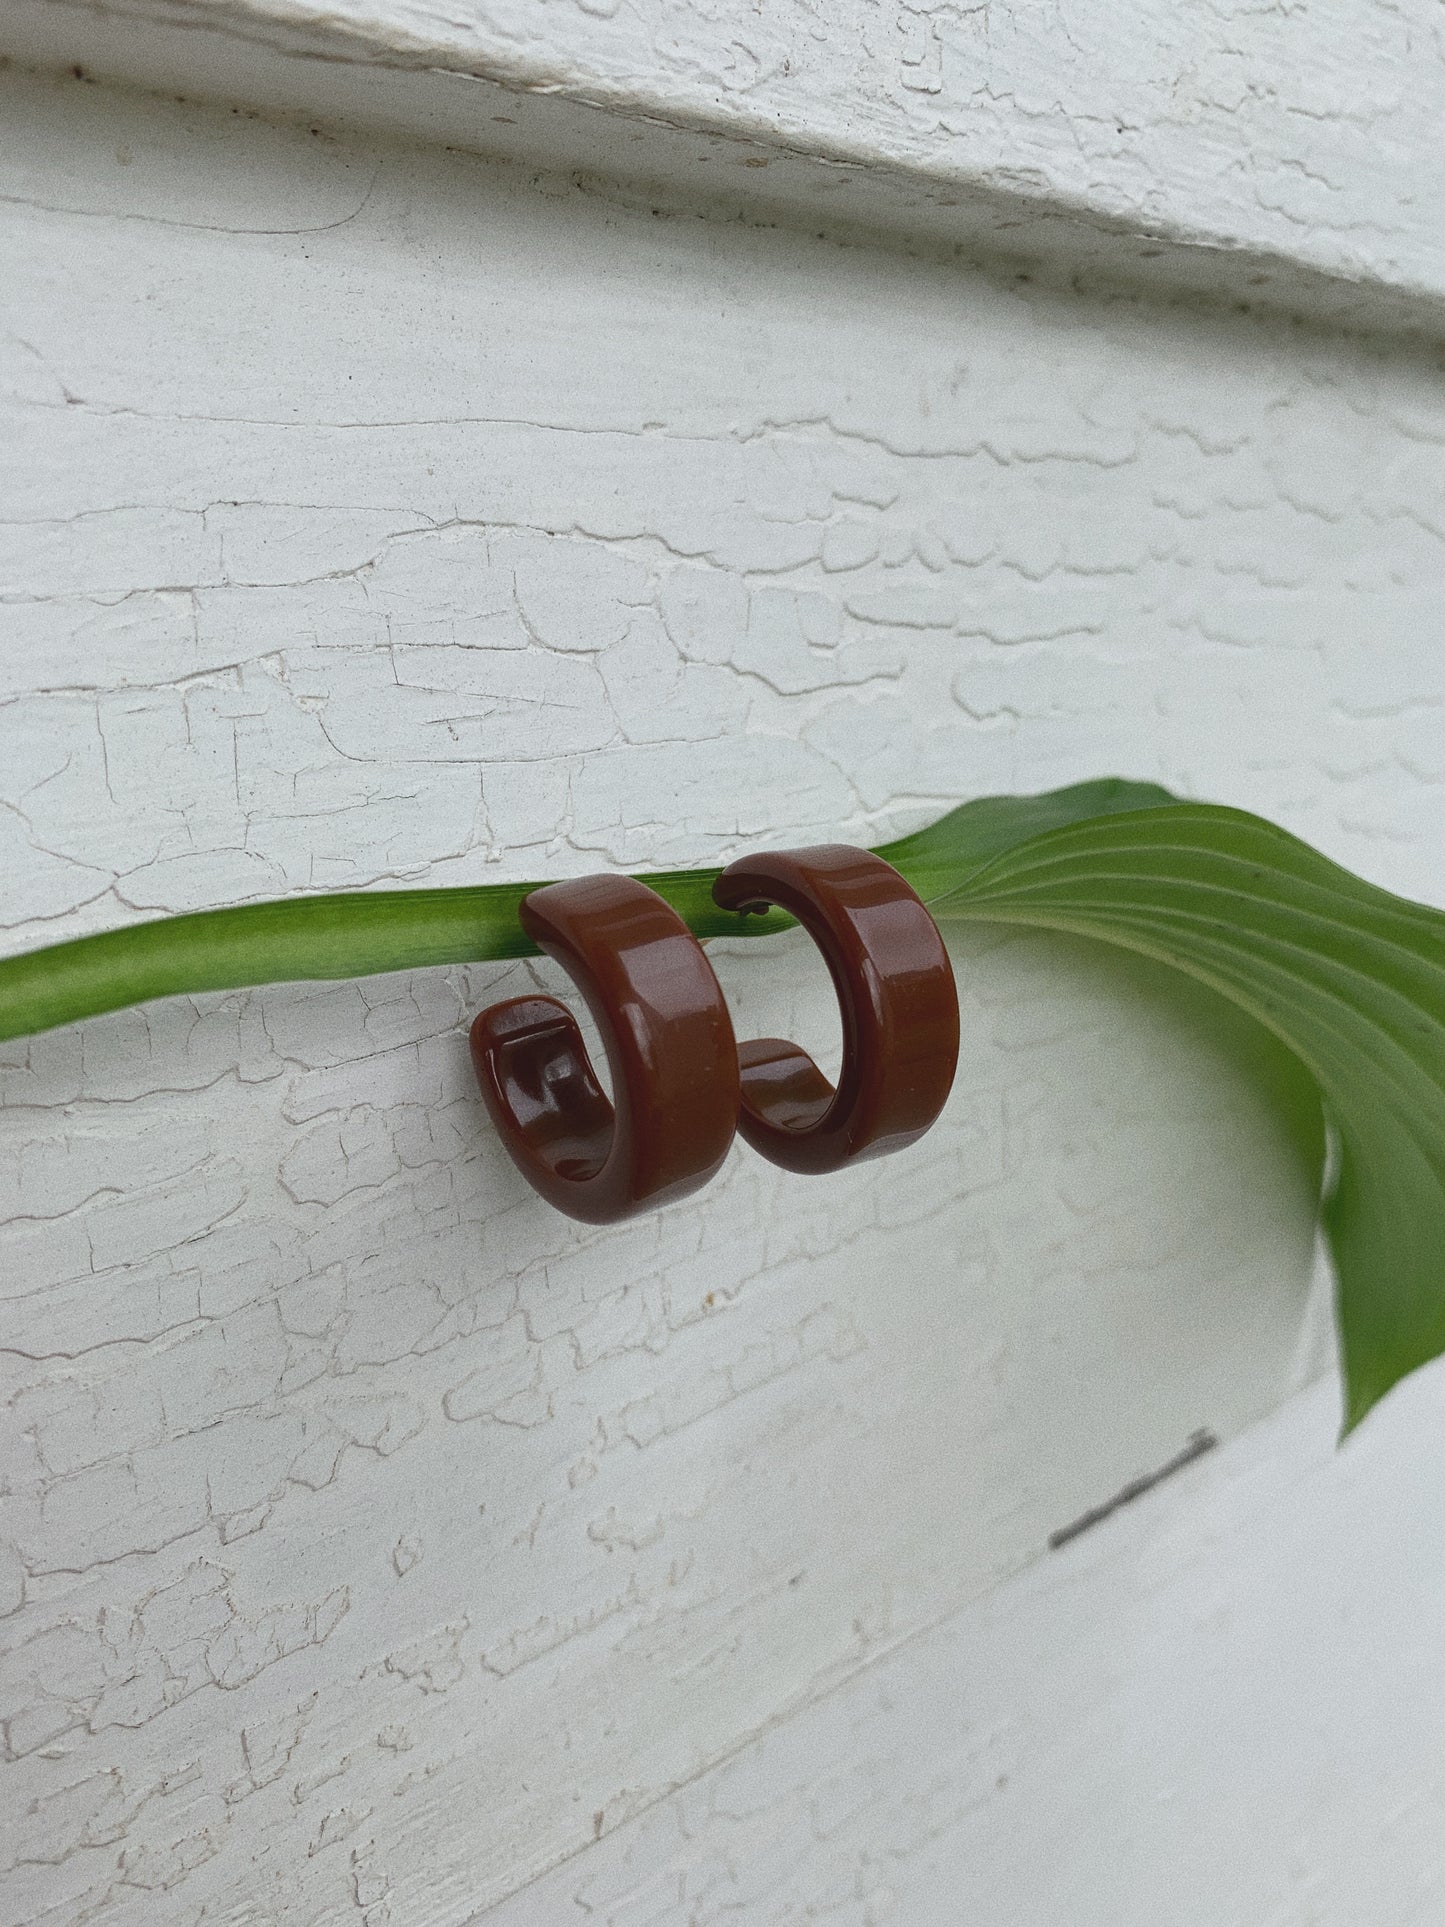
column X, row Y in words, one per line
column 669, row 1043
column 896, row 995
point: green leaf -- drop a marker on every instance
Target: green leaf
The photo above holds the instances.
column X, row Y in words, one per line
column 1351, row 979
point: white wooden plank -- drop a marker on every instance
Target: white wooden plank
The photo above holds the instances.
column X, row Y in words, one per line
column 1222, row 1708
column 1254, row 156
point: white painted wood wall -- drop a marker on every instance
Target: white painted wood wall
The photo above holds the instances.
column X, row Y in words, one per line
column 593, row 437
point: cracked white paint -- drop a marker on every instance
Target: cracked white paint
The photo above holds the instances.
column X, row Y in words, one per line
column 372, row 1538
column 1180, row 1720
column 1268, row 152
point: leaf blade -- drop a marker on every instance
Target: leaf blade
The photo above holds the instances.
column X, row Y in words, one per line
column 1350, row 978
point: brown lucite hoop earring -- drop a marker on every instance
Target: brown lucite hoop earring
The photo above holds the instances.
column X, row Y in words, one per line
column 669, row 1042
column 898, row 1001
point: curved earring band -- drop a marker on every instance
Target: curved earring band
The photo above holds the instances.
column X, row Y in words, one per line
column 669, row 1042
column 897, row 998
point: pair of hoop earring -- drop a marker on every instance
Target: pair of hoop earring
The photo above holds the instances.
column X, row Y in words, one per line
column 681, row 1083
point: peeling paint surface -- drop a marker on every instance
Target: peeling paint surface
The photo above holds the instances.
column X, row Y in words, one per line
column 372, row 1539
column 1296, row 134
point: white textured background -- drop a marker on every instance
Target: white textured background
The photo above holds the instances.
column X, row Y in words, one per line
column 1291, row 144
column 374, row 1540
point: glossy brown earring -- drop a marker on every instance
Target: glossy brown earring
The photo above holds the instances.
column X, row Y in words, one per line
column 669, row 1043
column 897, row 998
